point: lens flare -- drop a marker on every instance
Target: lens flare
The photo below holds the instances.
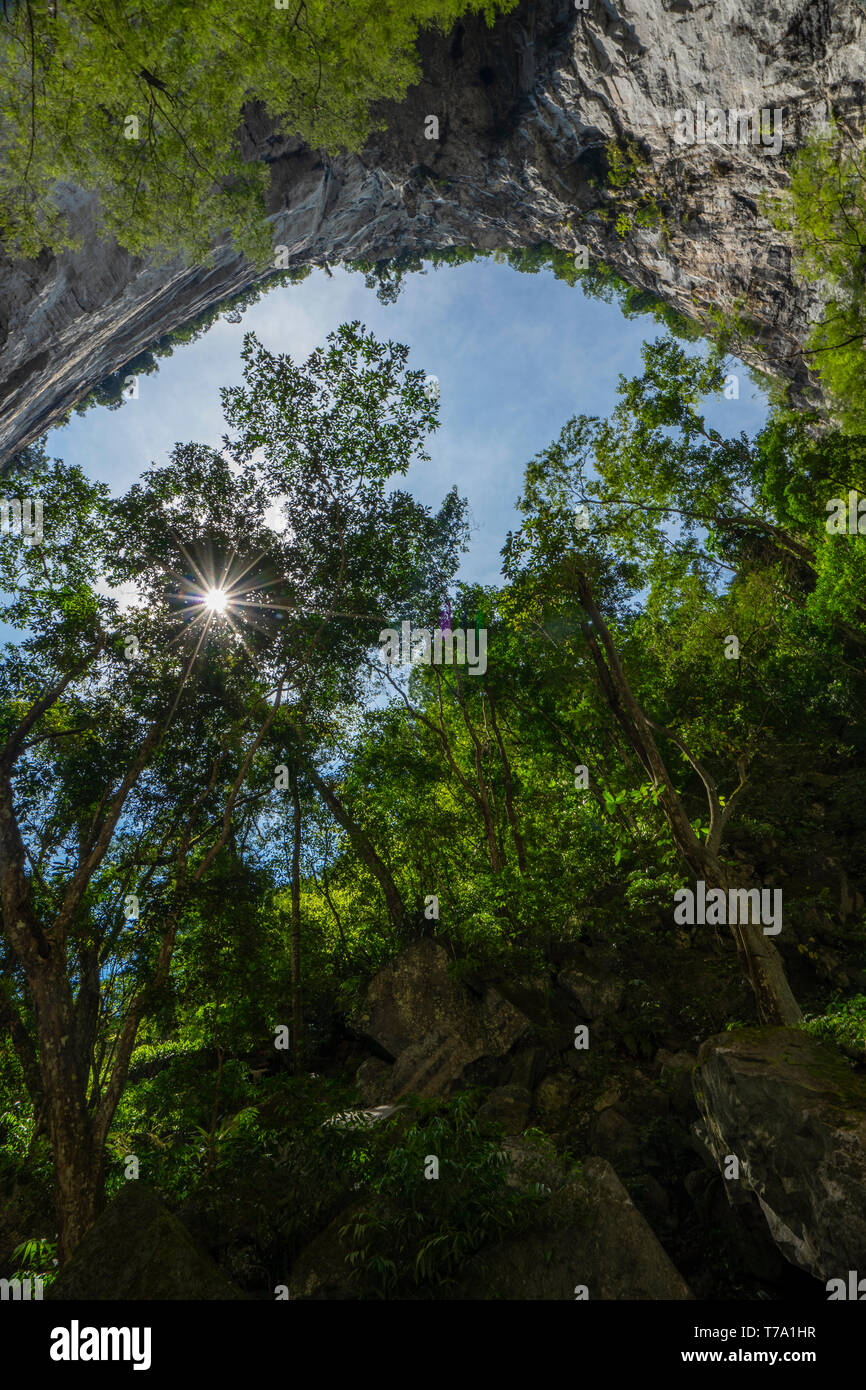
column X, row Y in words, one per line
column 216, row 600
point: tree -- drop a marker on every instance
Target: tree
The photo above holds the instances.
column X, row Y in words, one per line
column 555, row 566
column 133, row 740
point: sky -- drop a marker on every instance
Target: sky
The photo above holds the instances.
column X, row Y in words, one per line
column 516, row 355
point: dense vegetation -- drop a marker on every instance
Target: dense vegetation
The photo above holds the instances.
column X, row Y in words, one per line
column 143, row 104
column 215, row 826
column 824, row 213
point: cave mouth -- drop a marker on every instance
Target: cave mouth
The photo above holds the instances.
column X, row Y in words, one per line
column 388, row 276
column 498, row 331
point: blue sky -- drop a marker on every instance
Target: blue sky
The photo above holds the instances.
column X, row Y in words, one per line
column 516, row 355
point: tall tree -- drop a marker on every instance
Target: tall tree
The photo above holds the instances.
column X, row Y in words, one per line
column 556, row 566
column 130, row 739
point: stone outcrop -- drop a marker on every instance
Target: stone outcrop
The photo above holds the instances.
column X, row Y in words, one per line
column 793, row 1112
column 139, row 1250
column 589, row 1234
column 586, row 1232
column 433, row 1028
column 526, row 112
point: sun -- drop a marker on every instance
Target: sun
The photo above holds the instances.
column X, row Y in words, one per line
column 216, row 600
column 228, row 589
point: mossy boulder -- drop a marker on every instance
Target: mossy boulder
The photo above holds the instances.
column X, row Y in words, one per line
column 793, row 1112
column 439, row 1033
column 138, row 1250
column 589, row 1236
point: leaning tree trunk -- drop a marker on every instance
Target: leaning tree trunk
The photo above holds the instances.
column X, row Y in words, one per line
column 363, row 847
column 760, row 960
column 766, row 971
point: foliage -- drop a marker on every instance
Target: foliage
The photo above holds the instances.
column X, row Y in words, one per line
column 37, row 1260
column 597, row 280
column 143, row 105
column 824, row 213
column 843, row 1021
column 647, row 536
column 138, row 748
column 625, row 160
column 387, row 277
column 410, row 1236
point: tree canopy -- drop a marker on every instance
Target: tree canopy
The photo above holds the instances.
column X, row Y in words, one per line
column 144, row 104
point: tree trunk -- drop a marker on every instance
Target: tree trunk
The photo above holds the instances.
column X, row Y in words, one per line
column 508, row 782
column 761, row 962
column 79, row 1180
column 766, row 970
column 363, row 847
column 478, row 792
column 295, row 933
column 76, row 1144
column 334, row 913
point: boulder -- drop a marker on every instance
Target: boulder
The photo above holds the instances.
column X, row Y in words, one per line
column 554, row 1096
column 433, row 1066
column 321, row 1273
column 589, row 1233
column 436, row 1029
column 373, row 1079
column 592, row 984
column 525, row 1068
column 586, row 1230
column 654, row 1203
column 615, row 1138
column 794, row 1113
column 409, row 997
column 138, row 1250
column 676, row 1076
column 508, row 1106
column 549, row 1009
column 533, row 1162
column 609, row 1096
column 740, row 1228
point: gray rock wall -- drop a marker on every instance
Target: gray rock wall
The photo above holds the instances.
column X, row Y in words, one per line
column 525, row 112
column 793, row 1114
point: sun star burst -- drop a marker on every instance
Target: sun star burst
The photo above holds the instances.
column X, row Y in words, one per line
column 216, row 600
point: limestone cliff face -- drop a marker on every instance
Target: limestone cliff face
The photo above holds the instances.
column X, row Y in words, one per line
column 526, row 111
